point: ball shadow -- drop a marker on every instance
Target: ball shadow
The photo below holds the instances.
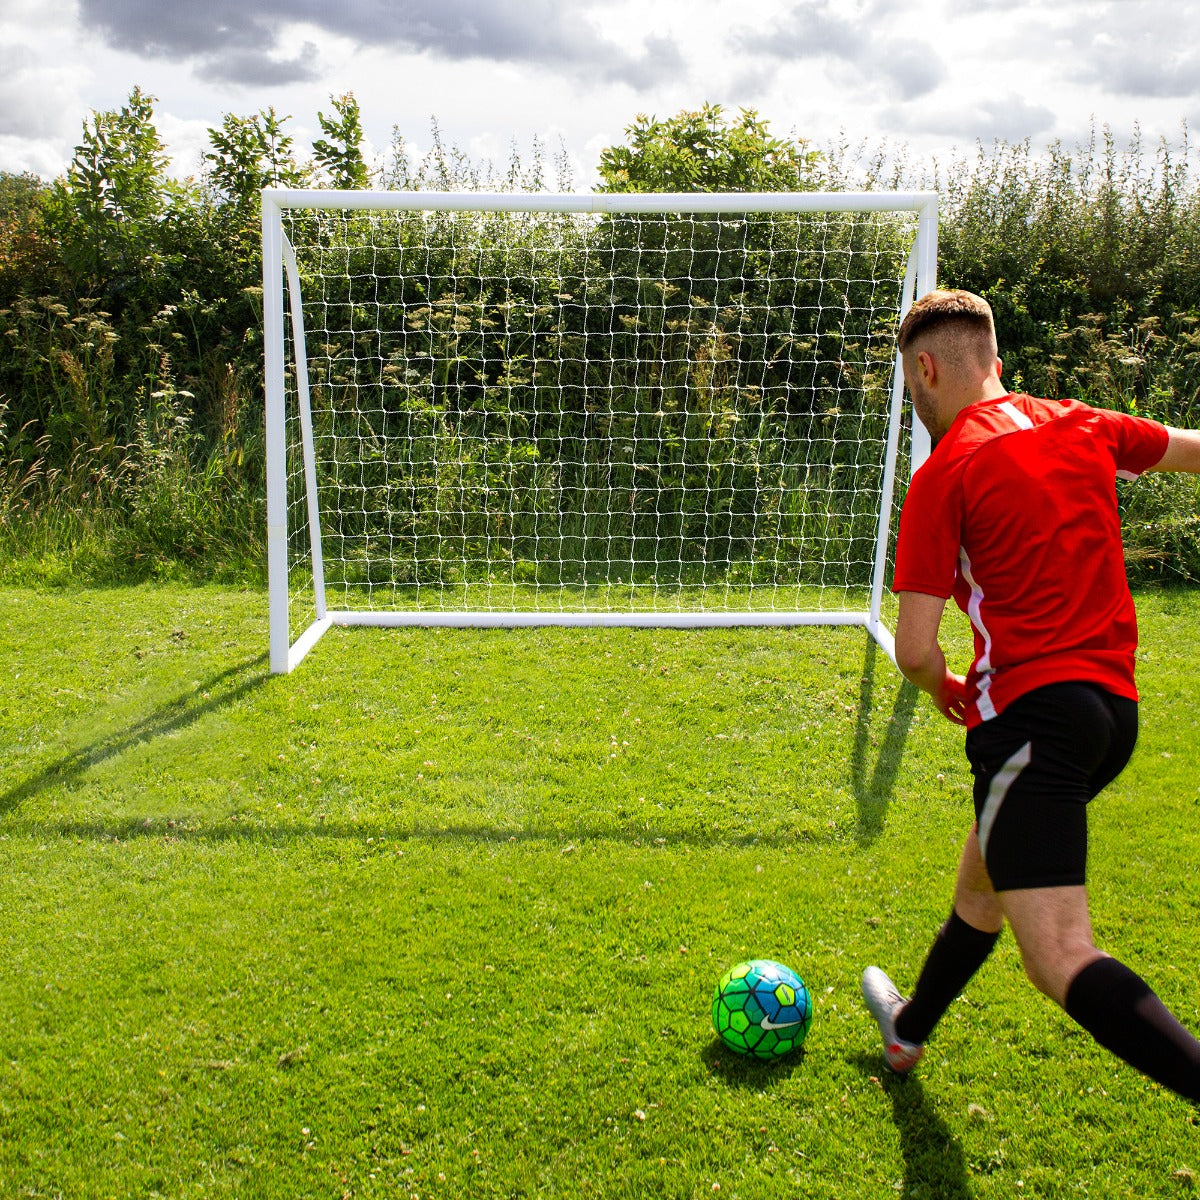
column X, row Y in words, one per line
column 746, row 1071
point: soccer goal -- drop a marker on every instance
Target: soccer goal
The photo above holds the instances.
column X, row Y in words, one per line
column 534, row 409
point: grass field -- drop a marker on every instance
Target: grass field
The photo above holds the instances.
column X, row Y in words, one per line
column 440, row 915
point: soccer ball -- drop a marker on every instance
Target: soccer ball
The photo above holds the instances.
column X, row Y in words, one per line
column 761, row 1008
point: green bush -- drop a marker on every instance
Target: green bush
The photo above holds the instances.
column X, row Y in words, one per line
column 131, row 415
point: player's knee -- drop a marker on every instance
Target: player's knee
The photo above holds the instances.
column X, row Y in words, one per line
column 1051, row 967
column 1043, row 976
column 981, row 910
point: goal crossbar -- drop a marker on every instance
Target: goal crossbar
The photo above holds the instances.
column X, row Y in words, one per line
column 924, row 203
column 303, row 450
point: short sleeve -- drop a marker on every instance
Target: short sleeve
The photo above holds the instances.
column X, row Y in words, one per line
column 927, row 546
column 1138, row 442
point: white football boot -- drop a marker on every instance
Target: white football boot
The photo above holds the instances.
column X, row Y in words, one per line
column 884, row 1002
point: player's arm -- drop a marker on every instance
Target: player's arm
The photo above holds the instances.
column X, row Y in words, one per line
column 919, row 654
column 1183, row 451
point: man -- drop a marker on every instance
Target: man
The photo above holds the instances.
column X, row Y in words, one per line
column 1014, row 514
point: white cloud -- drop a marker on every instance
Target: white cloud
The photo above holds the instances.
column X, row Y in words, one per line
column 24, row 155
column 1007, row 117
column 187, row 140
column 34, row 97
column 929, row 74
column 865, row 54
column 40, row 86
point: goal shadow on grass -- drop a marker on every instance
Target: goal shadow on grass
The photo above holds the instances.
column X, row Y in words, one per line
column 874, row 783
column 874, row 765
column 934, row 1166
column 208, row 695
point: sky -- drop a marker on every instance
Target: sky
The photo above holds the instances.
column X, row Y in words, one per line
column 931, row 79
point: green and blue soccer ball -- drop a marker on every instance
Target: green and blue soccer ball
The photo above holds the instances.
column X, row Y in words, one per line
column 761, row 1008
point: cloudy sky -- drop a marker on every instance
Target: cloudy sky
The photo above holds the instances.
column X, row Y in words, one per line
column 933, row 76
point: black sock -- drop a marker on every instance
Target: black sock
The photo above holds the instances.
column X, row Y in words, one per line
column 958, row 951
column 1120, row 1010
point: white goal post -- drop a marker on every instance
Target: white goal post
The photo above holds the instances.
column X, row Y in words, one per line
column 599, row 409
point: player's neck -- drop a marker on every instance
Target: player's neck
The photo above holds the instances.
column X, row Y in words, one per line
column 951, row 405
column 993, row 388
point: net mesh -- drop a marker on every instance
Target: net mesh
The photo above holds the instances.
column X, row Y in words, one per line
column 517, row 411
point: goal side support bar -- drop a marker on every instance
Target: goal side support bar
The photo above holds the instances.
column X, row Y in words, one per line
column 276, row 434
column 920, row 277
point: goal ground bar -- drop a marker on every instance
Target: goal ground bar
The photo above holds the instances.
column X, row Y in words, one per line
column 629, row 620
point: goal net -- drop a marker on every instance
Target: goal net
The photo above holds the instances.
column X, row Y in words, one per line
column 569, row 409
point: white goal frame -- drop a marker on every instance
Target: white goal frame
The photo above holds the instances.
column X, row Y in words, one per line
column 282, row 281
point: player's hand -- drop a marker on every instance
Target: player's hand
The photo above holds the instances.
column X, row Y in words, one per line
column 952, row 702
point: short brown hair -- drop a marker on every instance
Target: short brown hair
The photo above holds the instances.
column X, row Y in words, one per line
column 944, row 309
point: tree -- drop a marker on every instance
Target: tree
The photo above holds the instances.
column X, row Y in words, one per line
column 704, row 152
column 339, row 153
column 249, row 154
column 115, row 192
column 27, row 250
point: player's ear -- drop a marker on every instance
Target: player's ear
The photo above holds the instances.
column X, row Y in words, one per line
column 999, row 368
column 927, row 367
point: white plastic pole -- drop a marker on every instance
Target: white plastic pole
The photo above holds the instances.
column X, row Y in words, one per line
column 887, row 492
column 304, row 401
column 650, row 619
column 276, row 434
column 604, row 202
column 927, row 242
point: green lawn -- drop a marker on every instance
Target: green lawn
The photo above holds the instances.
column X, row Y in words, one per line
column 440, row 915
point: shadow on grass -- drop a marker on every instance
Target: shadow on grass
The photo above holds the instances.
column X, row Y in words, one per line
column 873, row 784
column 735, row 1070
column 236, row 827
column 207, row 696
column 934, row 1167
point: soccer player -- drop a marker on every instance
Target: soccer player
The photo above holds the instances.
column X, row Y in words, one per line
column 1014, row 515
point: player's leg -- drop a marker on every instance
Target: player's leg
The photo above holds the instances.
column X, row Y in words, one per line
column 962, row 945
column 1115, row 1005
column 1037, row 766
column 975, row 899
column 1054, row 934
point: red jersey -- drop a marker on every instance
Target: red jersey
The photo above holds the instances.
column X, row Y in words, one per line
column 1014, row 514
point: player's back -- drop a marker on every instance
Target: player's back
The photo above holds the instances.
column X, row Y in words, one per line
column 1042, row 570
column 1041, row 528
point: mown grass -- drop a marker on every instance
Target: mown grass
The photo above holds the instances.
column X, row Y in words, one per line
column 440, row 915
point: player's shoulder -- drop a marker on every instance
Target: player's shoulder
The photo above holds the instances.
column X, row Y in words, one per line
column 1079, row 413
column 982, row 423
column 1041, row 409
column 1019, row 410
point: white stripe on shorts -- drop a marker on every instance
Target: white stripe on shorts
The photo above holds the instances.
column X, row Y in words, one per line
column 1001, row 782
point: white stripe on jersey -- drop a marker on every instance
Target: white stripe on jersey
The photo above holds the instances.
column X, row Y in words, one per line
column 984, row 666
column 1018, row 418
column 987, row 710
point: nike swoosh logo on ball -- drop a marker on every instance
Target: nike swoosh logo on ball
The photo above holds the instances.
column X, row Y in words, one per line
column 767, row 1023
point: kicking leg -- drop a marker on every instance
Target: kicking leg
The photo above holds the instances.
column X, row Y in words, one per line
column 961, row 947
column 958, row 951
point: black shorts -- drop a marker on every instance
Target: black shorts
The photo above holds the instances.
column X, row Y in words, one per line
column 1036, row 767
